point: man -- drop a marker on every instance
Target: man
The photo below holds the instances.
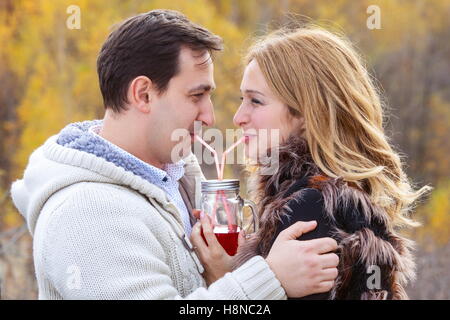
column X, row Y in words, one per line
column 108, row 209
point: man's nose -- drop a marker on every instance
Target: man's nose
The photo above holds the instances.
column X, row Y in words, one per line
column 207, row 115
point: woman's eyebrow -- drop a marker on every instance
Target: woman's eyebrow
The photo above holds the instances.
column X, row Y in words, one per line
column 253, row 91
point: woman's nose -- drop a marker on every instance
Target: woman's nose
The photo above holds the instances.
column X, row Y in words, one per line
column 241, row 117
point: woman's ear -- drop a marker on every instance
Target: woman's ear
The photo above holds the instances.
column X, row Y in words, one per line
column 299, row 126
column 140, row 93
column 296, row 122
column 301, row 123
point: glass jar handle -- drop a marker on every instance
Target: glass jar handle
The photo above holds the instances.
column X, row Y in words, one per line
column 252, row 206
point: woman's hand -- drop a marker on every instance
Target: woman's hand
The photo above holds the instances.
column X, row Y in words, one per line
column 214, row 258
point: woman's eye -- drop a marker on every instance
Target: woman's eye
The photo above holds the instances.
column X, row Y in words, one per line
column 252, row 100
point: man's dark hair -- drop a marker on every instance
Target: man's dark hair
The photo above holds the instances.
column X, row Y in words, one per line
column 149, row 45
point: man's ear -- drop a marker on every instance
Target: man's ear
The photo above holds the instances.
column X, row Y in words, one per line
column 140, row 93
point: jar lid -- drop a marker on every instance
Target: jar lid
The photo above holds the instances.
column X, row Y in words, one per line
column 216, row 185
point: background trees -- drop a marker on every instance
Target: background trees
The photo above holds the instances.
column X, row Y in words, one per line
column 48, row 79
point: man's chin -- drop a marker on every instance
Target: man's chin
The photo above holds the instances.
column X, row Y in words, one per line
column 181, row 150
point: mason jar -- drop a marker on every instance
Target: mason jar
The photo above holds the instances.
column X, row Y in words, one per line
column 222, row 203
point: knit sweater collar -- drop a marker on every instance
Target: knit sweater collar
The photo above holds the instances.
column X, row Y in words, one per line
column 84, row 136
column 53, row 167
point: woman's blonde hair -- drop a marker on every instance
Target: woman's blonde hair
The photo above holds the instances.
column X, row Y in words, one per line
column 321, row 78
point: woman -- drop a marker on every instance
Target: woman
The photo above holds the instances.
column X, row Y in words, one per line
column 335, row 163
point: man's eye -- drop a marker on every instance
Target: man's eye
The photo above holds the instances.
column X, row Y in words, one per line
column 198, row 95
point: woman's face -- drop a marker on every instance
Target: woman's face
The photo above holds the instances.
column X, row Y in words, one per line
column 262, row 116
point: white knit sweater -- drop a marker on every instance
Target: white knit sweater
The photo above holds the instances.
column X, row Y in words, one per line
column 101, row 232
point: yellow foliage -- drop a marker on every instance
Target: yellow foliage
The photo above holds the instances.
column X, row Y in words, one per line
column 436, row 216
column 56, row 75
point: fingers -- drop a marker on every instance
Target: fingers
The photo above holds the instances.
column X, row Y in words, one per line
column 208, row 232
column 325, row 286
column 330, row 260
column 197, row 239
column 196, row 213
column 328, row 274
column 296, row 230
column 322, row 245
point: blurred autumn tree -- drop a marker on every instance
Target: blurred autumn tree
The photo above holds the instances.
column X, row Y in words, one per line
column 50, row 70
column 48, row 79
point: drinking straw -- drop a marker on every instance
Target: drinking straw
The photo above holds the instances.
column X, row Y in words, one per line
column 224, row 155
column 220, row 169
column 214, row 210
column 216, row 158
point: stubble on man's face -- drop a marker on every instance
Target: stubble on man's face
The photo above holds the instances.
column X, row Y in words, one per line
column 186, row 100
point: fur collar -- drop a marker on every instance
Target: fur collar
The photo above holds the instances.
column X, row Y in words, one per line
column 362, row 230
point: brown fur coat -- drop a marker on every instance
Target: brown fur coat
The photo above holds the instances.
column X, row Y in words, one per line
column 362, row 230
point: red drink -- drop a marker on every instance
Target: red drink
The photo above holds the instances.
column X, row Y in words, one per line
column 228, row 240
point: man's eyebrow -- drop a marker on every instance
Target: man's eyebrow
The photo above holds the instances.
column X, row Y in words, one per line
column 202, row 87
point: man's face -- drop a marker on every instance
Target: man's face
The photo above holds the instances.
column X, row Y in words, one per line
column 187, row 99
